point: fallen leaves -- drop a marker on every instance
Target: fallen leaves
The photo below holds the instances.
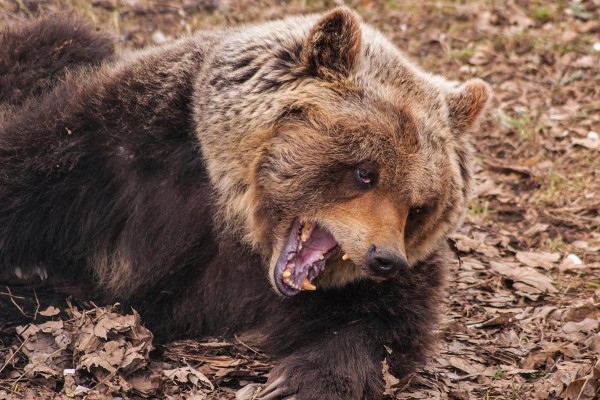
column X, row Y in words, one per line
column 45, row 346
column 527, row 281
column 188, row 375
column 111, row 347
column 538, row 259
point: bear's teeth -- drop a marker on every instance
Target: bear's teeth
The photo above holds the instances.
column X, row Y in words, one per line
column 345, row 257
column 321, row 256
column 287, row 273
column 305, row 231
column 306, row 285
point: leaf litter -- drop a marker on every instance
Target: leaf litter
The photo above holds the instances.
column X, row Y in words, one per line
column 523, row 307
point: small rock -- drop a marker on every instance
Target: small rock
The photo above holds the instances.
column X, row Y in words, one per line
column 159, row 37
column 596, row 46
column 571, row 263
column 592, row 135
column 574, row 259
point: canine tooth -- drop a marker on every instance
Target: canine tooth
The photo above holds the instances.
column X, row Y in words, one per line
column 18, row 272
column 305, row 230
column 299, row 246
column 287, row 273
column 306, row 285
column 345, row 257
column 321, row 256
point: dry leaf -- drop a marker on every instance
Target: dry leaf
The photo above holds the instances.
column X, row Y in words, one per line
column 188, row 375
column 587, row 143
column 587, row 325
column 538, row 259
column 538, row 359
column 526, row 280
column 470, row 367
column 50, row 312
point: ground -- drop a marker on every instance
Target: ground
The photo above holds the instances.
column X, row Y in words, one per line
column 523, row 314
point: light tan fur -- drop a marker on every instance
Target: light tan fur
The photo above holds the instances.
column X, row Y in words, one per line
column 379, row 86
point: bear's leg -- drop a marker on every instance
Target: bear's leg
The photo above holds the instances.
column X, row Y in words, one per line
column 342, row 368
column 331, row 343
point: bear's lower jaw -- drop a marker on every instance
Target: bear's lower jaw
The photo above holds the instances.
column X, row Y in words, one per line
column 303, row 257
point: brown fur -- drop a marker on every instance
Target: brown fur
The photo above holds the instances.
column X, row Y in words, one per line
column 169, row 178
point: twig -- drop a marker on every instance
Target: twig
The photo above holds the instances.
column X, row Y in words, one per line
column 407, row 384
column 587, row 379
column 16, row 297
column 37, row 308
column 9, row 359
column 18, row 379
column 104, row 380
column 246, row 346
column 473, row 285
column 15, row 303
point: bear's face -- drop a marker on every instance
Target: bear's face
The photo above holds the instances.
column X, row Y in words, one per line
column 353, row 164
column 362, row 179
column 356, row 185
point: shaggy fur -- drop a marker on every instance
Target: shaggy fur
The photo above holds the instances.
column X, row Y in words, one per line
column 169, row 178
column 36, row 56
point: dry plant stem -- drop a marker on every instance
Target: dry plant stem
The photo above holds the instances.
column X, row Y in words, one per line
column 12, row 356
column 582, row 388
column 10, row 295
column 37, row 307
column 18, row 379
column 245, row 345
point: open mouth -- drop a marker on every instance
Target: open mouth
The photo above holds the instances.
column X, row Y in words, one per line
column 303, row 257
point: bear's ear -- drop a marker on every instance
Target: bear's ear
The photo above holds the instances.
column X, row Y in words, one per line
column 333, row 44
column 467, row 102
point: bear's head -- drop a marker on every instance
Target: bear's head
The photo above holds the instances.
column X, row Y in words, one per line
column 333, row 155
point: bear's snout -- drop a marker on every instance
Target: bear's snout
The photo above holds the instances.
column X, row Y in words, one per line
column 385, row 262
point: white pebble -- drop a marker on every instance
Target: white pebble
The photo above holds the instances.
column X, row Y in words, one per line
column 596, row 46
column 159, row 37
column 68, row 371
column 574, row 259
column 592, row 135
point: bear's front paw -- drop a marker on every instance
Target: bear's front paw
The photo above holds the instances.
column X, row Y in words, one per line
column 296, row 379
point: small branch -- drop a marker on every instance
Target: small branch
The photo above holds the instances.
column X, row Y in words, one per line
column 10, row 295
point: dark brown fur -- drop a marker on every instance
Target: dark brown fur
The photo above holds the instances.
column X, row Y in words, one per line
column 167, row 179
column 36, row 56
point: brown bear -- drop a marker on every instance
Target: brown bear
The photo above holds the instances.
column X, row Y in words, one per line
column 293, row 182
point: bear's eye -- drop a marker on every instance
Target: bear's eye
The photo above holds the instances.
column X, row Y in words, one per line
column 419, row 211
column 366, row 176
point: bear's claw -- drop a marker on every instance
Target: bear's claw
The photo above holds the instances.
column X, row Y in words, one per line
column 272, row 391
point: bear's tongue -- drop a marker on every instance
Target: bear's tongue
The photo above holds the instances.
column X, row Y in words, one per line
column 302, row 258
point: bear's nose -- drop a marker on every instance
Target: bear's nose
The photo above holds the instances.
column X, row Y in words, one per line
column 385, row 262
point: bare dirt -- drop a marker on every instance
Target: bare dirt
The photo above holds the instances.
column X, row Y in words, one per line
column 523, row 314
